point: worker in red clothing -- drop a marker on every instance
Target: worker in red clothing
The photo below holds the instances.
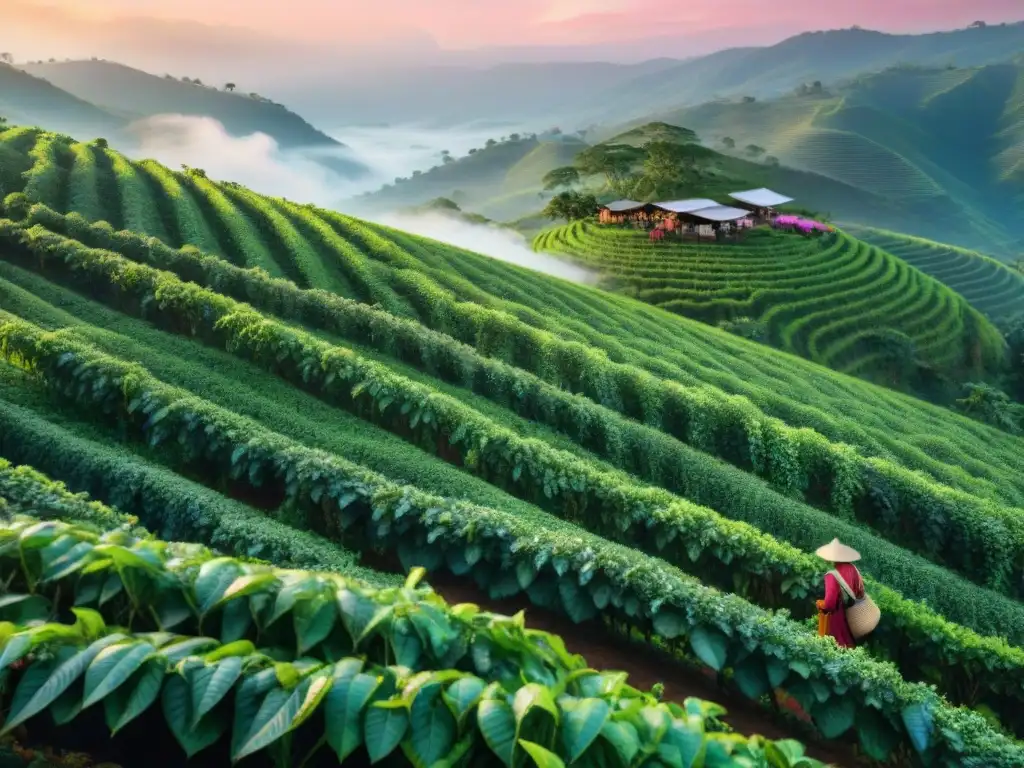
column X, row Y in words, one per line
column 838, row 591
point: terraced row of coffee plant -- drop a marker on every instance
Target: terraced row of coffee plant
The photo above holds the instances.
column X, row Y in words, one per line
column 578, row 450
column 989, row 285
column 829, row 298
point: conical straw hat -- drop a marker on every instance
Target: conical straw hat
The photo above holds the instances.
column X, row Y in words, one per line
column 836, row 552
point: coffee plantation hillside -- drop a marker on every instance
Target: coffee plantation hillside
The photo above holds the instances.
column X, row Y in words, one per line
column 291, row 384
column 992, row 287
column 829, row 297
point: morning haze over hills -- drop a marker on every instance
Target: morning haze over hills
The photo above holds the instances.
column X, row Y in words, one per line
column 461, row 385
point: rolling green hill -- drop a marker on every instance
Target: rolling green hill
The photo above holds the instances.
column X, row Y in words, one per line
column 504, row 182
column 989, row 285
column 937, row 149
column 827, row 298
column 500, row 182
column 232, row 357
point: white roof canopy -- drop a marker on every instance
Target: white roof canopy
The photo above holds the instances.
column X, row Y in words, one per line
column 721, row 213
column 761, row 198
column 686, row 206
column 624, row 205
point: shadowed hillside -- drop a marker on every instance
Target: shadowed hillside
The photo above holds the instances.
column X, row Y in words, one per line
column 939, row 148
column 133, row 94
column 30, row 100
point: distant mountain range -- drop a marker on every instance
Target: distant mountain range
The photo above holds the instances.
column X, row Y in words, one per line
column 577, row 94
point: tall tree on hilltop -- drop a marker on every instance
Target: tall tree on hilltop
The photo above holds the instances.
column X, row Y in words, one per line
column 729, row 142
column 230, row 86
column 565, row 176
column 614, row 161
column 571, row 206
column 754, row 150
column 667, row 168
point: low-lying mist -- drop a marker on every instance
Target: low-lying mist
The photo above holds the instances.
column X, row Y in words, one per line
column 257, row 162
column 496, row 242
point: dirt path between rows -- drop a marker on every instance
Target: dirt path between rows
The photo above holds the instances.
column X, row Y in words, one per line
column 645, row 667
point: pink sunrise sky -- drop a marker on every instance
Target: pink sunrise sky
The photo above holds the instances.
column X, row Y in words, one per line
column 473, row 23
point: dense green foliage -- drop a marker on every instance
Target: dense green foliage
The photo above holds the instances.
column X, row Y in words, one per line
column 438, row 682
column 577, row 572
column 826, row 298
column 292, row 380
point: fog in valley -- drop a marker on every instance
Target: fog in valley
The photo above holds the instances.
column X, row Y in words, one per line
column 496, row 242
column 257, row 162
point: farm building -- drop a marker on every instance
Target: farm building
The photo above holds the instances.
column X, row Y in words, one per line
column 699, row 216
column 761, row 202
column 624, row 210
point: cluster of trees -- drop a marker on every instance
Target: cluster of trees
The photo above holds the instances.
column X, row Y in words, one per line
column 228, row 87
column 571, row 205
column 753, row 151
column 811, row 89
column 447, row 158
column 657, row 169
column 196, row 173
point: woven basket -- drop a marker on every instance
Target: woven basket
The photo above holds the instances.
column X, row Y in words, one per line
column 862, row 617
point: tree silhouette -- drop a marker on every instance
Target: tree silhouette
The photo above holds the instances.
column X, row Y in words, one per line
column 490, row 143
column 561, row 177
column 229, row 86
column 6, row 58
column 772, row 160
column 754, row 151
column 728, row 142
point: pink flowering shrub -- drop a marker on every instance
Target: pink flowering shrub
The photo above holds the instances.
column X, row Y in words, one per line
column 798, row 224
